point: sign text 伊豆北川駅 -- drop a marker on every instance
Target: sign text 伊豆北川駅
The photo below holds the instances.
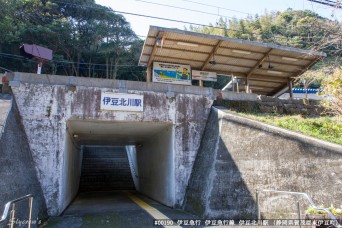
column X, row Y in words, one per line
column 122, row 102
column 204, row 75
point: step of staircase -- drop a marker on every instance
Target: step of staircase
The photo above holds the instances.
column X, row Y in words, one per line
column 105, row 169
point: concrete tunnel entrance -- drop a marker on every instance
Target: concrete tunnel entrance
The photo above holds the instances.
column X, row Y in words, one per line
column 112, row 155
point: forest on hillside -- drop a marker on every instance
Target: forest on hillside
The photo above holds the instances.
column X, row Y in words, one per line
column 87, row 39
column 300, row 29
column 91, row 40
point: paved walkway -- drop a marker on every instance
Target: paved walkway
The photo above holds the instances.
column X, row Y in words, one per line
column 115, row 209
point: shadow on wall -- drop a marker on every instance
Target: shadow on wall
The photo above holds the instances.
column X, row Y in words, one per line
column 274, row 158
column 238, row 156
column 230, row 194
column 18, row 176
column 216, row 188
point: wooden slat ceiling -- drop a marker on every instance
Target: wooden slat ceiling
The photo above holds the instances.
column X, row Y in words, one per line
column 241, row 58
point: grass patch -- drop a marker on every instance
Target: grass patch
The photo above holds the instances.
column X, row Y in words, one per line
column 332, row 209
column 326, row 128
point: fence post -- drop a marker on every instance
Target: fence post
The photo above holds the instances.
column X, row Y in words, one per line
column 30, row 213
column 257, row 202
column 12, row 215
column 298, row 209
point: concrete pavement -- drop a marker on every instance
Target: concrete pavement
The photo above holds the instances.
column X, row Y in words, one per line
column 114, row 209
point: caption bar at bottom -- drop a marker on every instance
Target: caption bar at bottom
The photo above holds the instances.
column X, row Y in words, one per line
column 230, row 222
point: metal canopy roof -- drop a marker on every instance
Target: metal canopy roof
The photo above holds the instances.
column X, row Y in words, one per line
column 268, row 67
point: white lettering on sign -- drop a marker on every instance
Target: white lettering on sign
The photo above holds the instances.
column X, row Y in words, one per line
column 122, row 102
column 204, row 75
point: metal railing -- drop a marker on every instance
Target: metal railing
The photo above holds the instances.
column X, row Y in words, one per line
column 258, row 191
column 12, row 203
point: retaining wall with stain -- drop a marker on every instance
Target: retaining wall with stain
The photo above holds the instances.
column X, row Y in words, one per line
column 237, row 156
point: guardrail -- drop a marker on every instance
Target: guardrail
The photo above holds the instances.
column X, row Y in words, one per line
column 12, row 203
column 258, row 191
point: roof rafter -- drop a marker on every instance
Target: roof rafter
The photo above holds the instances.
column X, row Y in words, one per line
column 154, row 50
column 259, row 62
column 211, row 54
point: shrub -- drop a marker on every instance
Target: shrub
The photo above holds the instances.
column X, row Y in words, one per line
column 332, row 89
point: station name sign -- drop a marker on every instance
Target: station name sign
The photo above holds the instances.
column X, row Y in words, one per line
column 122, row 102
column 204, row 75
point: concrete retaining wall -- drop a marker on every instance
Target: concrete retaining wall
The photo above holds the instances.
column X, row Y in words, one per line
column 243, row 102
column 47, row 102
column 18, row 176
column 238, row 156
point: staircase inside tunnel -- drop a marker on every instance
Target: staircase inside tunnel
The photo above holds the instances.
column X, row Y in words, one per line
column 105, row 156
column 105, row 168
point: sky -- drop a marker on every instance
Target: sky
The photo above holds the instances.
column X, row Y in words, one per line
column 211, row 9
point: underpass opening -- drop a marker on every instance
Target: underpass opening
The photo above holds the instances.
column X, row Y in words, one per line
column 105, row 168
column 112, row 155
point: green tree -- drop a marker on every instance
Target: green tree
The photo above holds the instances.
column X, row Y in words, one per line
column 87, row 39
column 332, row 88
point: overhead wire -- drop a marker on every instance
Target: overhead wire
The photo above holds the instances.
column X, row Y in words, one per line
column 160, row 18
column 141, row 15
column 5, row 69
column 22, row 59
column 153, row 17
column 68, row 62
column 336, row 4
column 182, row 8
column 219, row 7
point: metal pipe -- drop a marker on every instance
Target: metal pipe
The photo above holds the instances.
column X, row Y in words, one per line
column 12, row 215
column 12, row 203
column 298, row 208
column 307, row 197
column 30, row 213
column 258, row 209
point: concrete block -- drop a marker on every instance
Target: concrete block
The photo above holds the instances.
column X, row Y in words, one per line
column 266, row 109
column 227, row 95
column 264, row 98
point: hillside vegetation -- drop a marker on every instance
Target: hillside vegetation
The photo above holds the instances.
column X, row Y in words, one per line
column 91, row 40
column 87, row 39
column 325, row 128
column 293, row 28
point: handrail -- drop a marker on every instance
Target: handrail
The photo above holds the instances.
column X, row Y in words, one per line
column 296, row 193
column 12, row 203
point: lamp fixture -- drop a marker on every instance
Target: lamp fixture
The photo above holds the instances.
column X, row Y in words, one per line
column 269, row 63
column 187, row 44
column 158, row 42
column 241, row 52
column 289, row 59
column 212, row 61
column 274, row 72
